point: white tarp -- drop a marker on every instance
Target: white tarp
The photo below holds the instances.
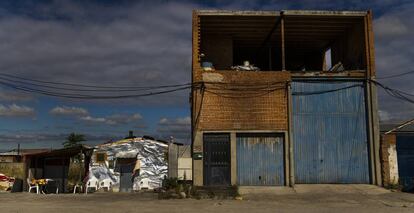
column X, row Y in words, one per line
column 151, row 154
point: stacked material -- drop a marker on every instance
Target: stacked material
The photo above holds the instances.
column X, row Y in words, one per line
column 151, row 154
column 245, row 67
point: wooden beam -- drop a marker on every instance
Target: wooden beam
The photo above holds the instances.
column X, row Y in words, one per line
column 282, row 40
column 269, row 35
column 235, row 13
column 324, row 13
column 371, row 49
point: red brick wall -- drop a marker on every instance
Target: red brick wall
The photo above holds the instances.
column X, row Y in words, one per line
column 243, row 110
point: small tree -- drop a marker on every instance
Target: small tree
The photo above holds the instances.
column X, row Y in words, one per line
column 73, row 140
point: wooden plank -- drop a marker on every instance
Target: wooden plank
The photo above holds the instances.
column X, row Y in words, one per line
column 367, row 50
column 371, row 45
column 312, row 74
column 336, row 13
column 196, row 42
column 282, row 40
column 236, row 13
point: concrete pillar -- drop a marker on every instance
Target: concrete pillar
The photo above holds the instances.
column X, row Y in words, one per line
column 198, row 164
column 233, row 161
column 389, row 160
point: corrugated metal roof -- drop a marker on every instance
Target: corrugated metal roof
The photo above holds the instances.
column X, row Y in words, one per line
column 384, row 127
column 24, row 152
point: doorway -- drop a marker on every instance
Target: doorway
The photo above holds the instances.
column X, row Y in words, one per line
column 216, row 159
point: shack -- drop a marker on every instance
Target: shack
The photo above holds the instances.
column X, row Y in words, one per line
column 55, row 164
column 113, row 164
column 13, row 165
column 397, row 155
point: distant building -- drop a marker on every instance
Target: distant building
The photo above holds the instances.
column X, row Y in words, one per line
column 397, row 155
column 114, row 163
column 15, row 156
column 180, row 163
column 55, row 164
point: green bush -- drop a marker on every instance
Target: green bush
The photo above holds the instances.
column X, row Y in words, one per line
column 170, row 183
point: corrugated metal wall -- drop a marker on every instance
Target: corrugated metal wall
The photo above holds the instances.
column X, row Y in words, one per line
column 260, row 160
column 405, row 158
column 330, row 132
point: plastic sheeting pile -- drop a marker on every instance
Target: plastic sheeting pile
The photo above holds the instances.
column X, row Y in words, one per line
column 151, row 153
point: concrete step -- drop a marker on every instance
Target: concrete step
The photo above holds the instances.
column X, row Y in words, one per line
column 215, row 192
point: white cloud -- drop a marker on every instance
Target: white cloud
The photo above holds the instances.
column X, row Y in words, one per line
column 15, row 110
column 66, row 110
column 115, row 119
column 394, row 54
column 48, row 140
column 384, row 115
column 179, row 128
column 13, row 96
column 93, row 119
column 93, row 44
column 390, row 26
column 124, row 118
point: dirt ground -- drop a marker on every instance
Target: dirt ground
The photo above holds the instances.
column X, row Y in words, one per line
column 299, row 199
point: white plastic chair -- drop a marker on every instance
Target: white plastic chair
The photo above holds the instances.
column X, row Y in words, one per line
column 32, row 186
column 92, row 183
column 77, row 186
column 106, row 183
column 144, row 184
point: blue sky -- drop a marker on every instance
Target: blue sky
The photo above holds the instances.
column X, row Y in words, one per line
column 142, row 43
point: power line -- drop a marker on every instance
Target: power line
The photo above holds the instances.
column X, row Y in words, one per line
column 89, row 90
column 396, row 75
column 227, row 90
column 81, row 96
column 401, row 95
column 87, row 86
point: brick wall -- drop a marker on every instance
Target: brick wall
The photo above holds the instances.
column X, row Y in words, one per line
column 241, row 110
column 388, row 143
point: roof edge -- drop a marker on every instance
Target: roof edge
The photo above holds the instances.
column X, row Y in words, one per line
column 278, row 13
column 325, row 12
column 236, row 12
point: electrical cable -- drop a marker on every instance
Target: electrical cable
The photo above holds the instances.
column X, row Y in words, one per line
column 90, row 90
column 397, row 75
column 80, row 96
column 84, row 85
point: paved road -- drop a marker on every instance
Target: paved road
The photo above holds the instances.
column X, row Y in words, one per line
column 299, row 199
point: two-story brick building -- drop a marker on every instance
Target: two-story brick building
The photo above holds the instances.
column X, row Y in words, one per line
column 308, row 116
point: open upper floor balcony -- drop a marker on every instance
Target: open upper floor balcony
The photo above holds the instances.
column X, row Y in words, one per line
column 304, row 43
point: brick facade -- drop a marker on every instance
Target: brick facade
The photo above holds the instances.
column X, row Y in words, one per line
column 256, row 110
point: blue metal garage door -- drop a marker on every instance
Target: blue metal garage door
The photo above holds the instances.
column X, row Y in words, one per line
column 260, row 160
column 330, row 132
column 405, row 158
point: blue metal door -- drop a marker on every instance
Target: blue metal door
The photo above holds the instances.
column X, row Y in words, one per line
column 330, row 132
column 405, row 158
column 260, row 160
